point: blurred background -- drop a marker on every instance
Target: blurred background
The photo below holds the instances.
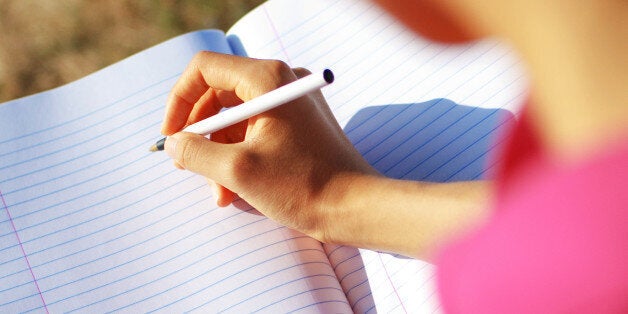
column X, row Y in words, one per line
column 47, row 43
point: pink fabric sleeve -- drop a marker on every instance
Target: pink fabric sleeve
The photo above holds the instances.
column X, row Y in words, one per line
column 558, row 243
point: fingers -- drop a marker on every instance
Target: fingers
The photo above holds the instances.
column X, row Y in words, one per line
column 198, row 154
column 214, row 81
column 222, row 195
column 184, row 150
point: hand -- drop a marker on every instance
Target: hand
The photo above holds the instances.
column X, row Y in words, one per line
column 289, row 162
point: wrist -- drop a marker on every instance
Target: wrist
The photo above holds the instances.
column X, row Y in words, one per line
column 344, row 212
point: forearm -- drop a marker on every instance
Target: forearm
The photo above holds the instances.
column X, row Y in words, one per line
column 406, row 217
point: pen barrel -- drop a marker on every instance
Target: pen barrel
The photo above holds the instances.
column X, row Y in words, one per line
column 270, row 100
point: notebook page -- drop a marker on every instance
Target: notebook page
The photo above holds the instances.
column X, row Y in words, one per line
column 414, row 108
column 348, row 265
column 91, row 221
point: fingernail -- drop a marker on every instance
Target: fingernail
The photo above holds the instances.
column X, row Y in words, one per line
column 171, row 147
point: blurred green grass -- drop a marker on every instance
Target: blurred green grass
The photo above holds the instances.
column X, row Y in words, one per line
column 47, row 43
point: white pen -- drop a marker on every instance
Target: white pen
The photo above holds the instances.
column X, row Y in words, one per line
column 257, row 105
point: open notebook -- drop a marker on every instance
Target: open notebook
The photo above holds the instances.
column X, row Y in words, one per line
column 91, row 221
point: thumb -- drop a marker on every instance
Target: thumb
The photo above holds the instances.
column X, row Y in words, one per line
column 200, row 155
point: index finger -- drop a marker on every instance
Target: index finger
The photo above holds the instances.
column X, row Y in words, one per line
column 211, row 72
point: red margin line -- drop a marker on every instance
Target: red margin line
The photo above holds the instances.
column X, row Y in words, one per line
column 391, row 283
column 283, row 48
column 6, row 208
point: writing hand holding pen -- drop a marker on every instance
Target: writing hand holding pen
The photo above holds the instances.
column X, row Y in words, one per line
column 295, row 149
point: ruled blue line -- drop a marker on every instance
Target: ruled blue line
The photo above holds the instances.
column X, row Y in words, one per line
column 90, row 165
column 348, row 292
column 52, row 246
column 301, row 24
column 223, row 264
column 433, row 105
column 334, row 47
column 80, row 183
column 391, row 70
column 159, row 249
column 334, row 251
column 416, row 165
column 86, row 263
column 430, row 139
column 348, row 258
column 140, row 257
column 449, row 145
column 126, row 234
column 489, row 133
column 257, row 279
column 89, row 126
column 103, row 147
column 350, row 273
column 303, row 292
column 107, row 106
column 92, row 192
column 281, row 285
column 364, row 297
column 317, row 303
column 78, row 144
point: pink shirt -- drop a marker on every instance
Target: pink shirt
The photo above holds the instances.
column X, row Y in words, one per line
column 557, row 243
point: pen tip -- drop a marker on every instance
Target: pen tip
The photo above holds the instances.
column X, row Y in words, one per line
column 159, row 145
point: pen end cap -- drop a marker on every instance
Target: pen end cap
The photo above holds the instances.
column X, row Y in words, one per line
column 328, row 75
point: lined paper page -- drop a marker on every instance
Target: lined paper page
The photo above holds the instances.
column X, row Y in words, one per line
column 414, row 108
column 91, row 221
column 349, row 268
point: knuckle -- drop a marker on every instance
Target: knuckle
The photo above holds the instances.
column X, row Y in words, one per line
column 276, row 67
column 301, row 72
column 278, row 72
column 200, row 56
column 196, row 60
column 263, row 76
